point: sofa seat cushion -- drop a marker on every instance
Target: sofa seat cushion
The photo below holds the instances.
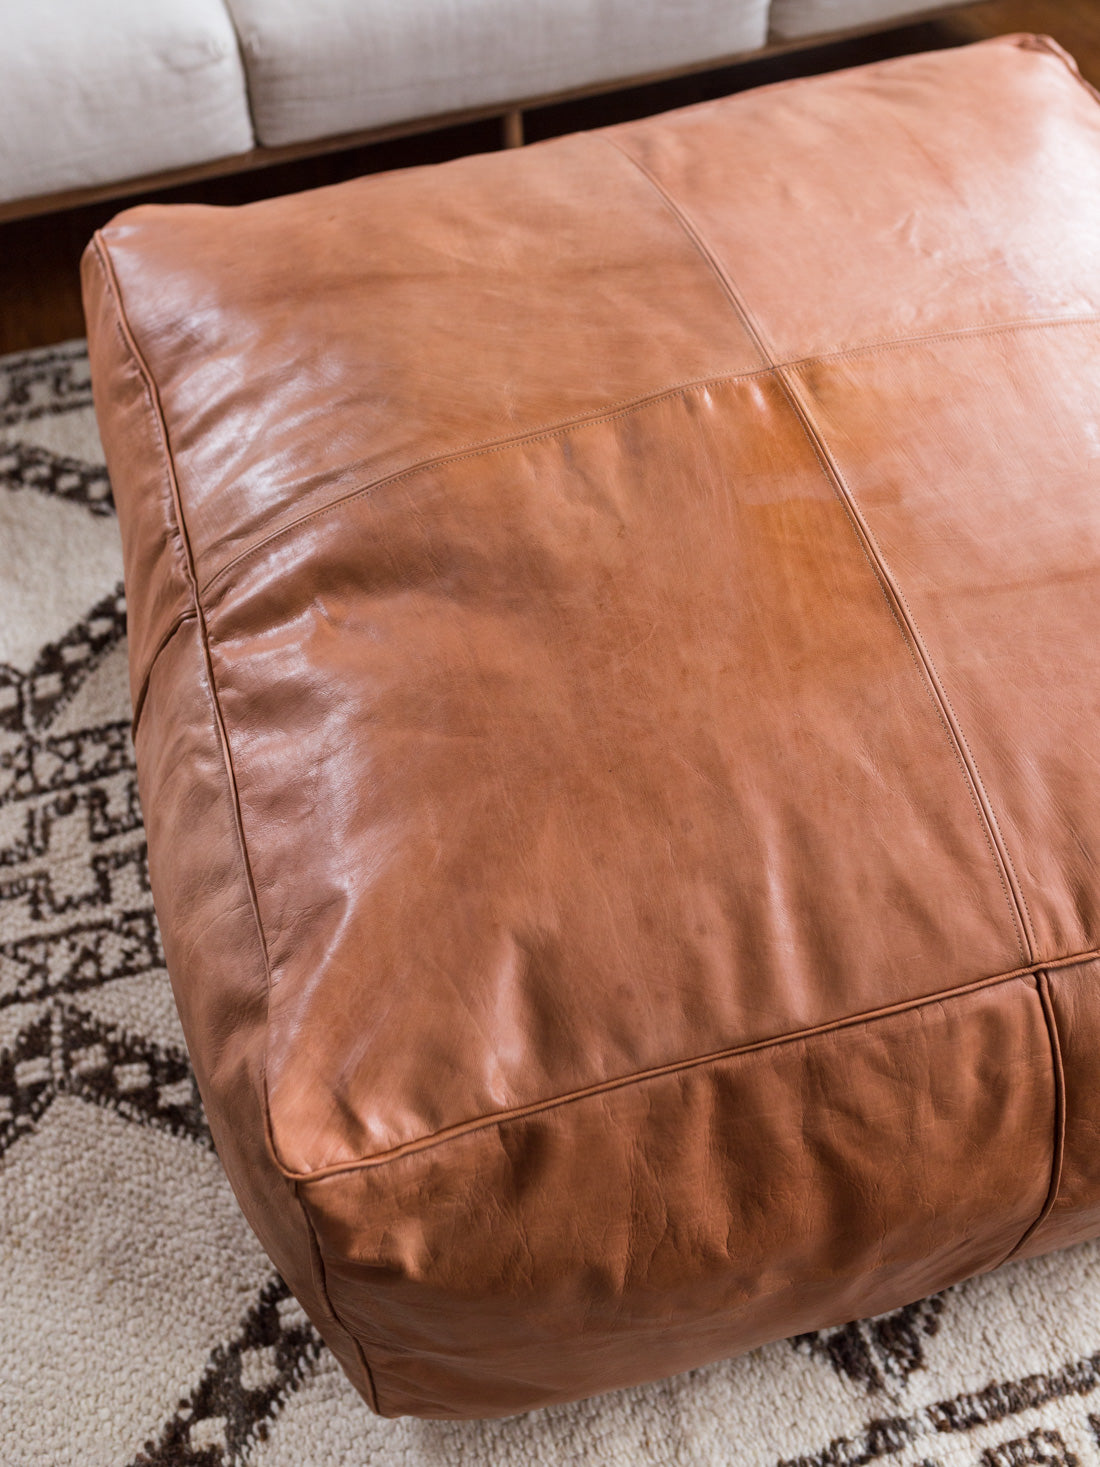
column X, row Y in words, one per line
column 92, row 94
column 612, row 644
column 791, row 20
column 334, row 67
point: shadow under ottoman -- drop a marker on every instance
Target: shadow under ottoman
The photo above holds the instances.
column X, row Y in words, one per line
column 614, row 651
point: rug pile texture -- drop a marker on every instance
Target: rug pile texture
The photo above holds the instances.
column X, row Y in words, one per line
column 140, row 1323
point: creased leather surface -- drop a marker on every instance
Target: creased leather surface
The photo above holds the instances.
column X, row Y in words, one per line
column 612, row 635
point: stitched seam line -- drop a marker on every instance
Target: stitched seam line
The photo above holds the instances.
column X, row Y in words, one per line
column 161, row 431
column 719, row 271
column 619, row 409
column 922, row 674
column 479, row 450
column 1059, row 1139
column 895, row 600
column 321, row 1280
column 989, row 328
column 891, row 591
column 156, row 412
column 675, row 1067
column 139, row 701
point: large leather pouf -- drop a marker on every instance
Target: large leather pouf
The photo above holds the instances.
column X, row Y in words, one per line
column 614, row 630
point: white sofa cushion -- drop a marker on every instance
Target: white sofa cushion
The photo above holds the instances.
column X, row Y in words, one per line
column 791, row 19
column 96, row 93
column 336, row 66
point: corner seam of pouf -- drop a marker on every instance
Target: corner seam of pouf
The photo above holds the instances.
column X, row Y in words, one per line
column 1042, row 984
column 153, row 398
column 320, row 1277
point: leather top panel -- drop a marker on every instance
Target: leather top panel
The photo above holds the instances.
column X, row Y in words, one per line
column 602, row 747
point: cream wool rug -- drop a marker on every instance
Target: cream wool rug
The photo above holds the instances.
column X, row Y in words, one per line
column 140, row 1323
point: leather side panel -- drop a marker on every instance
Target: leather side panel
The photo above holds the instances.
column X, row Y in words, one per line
column 157, row 588
column 196, row 867
column 214, row 957
column 694, row 1216
column 1075, row 1214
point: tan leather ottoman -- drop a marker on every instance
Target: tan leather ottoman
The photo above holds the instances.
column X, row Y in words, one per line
column 614, row 645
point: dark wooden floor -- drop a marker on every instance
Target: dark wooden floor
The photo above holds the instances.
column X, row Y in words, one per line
column 39, row 258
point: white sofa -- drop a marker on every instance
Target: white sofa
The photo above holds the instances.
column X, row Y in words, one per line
column 93, row 95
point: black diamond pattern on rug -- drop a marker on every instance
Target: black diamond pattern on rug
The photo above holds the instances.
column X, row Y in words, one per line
column 45, row 384
column 243, row 1386
column 878, row 1352
column 25, row 466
